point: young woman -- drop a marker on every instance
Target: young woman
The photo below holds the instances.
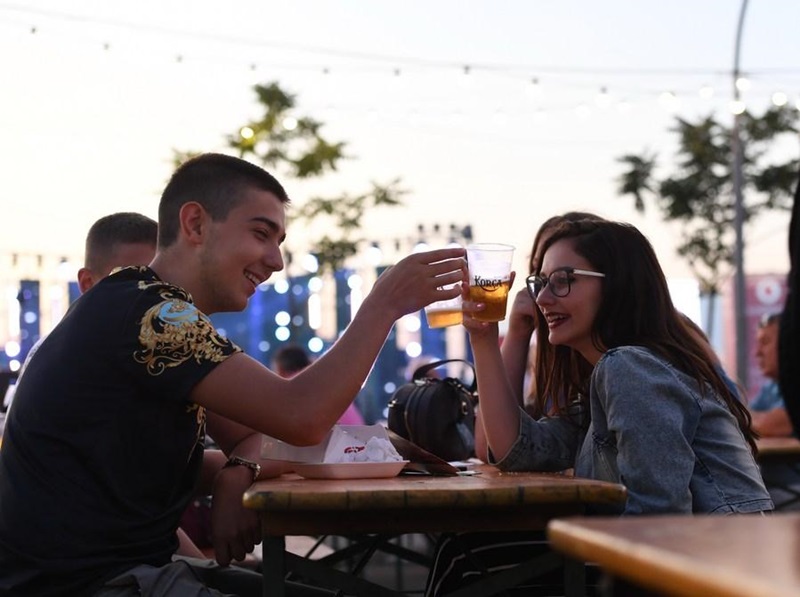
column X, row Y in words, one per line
column 655, row 413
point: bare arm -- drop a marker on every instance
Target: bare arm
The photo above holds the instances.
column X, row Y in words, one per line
column 772, row 423
column 301, row 410
column 498, row 415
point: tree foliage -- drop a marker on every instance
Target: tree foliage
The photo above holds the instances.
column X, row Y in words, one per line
column 294, row 146
column 699, row 193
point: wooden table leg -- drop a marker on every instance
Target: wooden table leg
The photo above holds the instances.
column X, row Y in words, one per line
column 273, row 566
column 574, row 578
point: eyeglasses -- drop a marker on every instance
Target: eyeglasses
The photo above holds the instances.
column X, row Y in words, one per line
column 560, row 281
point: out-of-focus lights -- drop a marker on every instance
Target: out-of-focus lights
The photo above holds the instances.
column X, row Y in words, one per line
column 314, row 312
column 354, row 282
column 420, row 247
column 413, row 349
column 374, row 255
column 310, row 263
column 779, row 98
column 281, row 286
column 412, row 322
column 669, row 101
column 743, row 84
column 246, row 133
column 282, row 318
column 282, row 334
column 315, row 284
column 12, row 348
column 289, row 123
column 737, row 107
column 316, row 345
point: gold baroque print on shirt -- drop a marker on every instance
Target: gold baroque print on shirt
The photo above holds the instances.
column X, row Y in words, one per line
column 200, row 419
column 173, row 332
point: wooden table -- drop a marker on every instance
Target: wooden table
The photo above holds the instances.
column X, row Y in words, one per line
column 779, row 459
column 778, row 449
column 488, row 501
column 713, row 556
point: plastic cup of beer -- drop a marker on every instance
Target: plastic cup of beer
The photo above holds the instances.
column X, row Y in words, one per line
column 490, row 278
column 442, row 314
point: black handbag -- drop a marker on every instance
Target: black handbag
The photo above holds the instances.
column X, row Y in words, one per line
column 438, row 415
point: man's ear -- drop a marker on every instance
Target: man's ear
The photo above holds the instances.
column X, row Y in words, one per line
column 194, row 221
column 85, row 279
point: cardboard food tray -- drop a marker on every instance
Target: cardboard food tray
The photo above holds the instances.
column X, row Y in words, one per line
column 420, row 461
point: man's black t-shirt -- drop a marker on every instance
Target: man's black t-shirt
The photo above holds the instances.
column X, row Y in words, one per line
column 102, row 446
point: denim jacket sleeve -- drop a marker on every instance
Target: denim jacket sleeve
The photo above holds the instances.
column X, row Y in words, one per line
column 546, row 444
column 645, row 413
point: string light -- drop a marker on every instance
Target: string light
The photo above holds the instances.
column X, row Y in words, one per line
column 366, row 62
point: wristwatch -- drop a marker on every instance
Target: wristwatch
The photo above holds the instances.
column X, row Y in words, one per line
column 238, row 461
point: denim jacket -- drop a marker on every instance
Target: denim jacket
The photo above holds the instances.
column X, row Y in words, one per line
column 650, row 429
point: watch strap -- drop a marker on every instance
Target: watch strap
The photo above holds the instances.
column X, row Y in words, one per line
column 239, row 461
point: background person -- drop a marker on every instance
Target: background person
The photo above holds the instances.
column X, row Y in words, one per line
column 767, row 408
column 105, row 441
column 770, row 418
column 115, row 240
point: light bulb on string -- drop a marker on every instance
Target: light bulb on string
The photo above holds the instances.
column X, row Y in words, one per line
column 669, row 101
column 534, row 89
column 466, row 77
column 624, row 106
column 743, row 84
column 603, row 99
column 737, row 107
column 706, row 92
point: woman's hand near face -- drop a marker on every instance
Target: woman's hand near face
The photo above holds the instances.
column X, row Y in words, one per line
column 517, row 341
column 522, row 313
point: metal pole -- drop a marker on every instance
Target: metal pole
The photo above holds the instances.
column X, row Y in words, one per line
column 738, row 159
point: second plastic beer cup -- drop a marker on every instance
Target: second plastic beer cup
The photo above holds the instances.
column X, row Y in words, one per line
column 490, row 278
column 444, row 313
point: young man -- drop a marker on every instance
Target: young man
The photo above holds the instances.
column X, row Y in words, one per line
column 102, row 456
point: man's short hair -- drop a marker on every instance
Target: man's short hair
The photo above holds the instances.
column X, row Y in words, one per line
column 115, row 229
column 215, row 181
